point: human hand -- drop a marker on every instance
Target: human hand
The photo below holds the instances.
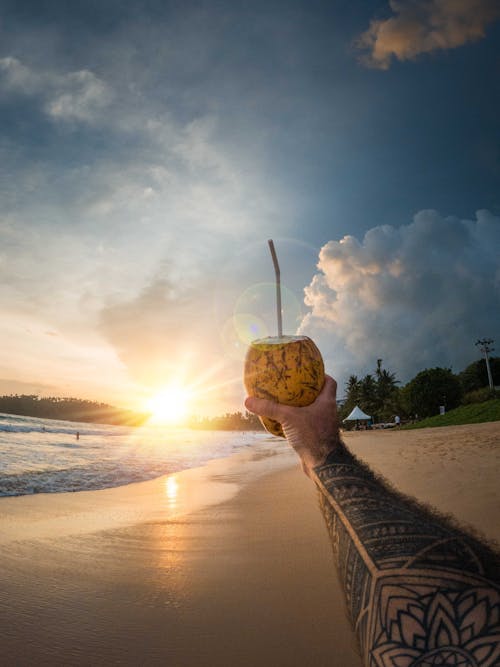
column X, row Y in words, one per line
column 313, row 431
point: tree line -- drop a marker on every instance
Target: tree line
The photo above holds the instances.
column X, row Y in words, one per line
column 379, row 395
column 231, row 421
column 69, row 409
column 81, row 410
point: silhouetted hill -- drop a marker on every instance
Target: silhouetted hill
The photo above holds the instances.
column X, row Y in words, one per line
column 70, row 409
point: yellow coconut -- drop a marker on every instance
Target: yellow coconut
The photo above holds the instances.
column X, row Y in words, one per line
column 285, row 369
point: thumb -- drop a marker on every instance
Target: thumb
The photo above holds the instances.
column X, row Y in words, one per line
column 266, row 408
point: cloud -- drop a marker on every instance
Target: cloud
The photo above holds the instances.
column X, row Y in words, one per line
column 416, row 296
column 423, row 26
column 168, row 333
column 35, row 361
column 79, row 96
column 157, row 331
column 19, row 78
column 10, row 386
column 85, row 241
column 73, row 96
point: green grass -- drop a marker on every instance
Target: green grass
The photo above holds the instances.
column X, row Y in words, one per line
column 489, row 411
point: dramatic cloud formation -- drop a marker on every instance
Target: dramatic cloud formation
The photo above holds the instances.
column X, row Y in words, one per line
column 422, row 26
column 416, row 296
column 89, row 227
column 150, row 149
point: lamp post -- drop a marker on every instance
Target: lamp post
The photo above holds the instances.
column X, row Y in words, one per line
column 484, row 345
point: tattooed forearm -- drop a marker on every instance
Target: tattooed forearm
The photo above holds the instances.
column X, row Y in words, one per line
column 419, row 591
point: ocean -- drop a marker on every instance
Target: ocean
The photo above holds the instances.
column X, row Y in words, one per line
column 45, row 456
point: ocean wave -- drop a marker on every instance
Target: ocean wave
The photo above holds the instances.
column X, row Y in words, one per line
column 77, row 479
column 18, row 424
column 44, row 456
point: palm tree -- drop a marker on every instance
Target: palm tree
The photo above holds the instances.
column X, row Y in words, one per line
column 352, row 386
column 368, row 394
column 375, row 393
column 386, row 390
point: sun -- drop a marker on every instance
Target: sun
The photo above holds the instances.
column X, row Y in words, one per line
column 169, row 406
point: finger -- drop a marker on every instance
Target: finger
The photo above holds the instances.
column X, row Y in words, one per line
column 328, row 392
column 266, row 408
column 330, row 387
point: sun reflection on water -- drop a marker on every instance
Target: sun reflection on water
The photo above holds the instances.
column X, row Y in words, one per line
column 171, row 489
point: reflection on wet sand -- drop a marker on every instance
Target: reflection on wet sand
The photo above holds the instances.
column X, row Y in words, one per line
column 171, row 489
column 125, row 576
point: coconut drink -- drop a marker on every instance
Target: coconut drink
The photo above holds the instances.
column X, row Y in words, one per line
column 285, row 369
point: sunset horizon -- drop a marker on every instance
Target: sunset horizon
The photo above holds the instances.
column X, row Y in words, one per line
column 141, row 189
column 250, row 322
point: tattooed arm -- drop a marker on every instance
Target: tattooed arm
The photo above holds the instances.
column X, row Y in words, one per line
column 419, row 590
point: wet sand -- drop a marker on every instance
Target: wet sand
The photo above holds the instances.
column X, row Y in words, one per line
column 229, row 564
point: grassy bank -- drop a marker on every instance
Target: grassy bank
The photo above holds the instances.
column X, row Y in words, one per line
column 489, row 411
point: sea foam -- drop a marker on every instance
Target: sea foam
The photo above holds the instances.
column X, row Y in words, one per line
column 45, row 456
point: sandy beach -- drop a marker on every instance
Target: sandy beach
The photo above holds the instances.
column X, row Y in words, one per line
column 229, row 564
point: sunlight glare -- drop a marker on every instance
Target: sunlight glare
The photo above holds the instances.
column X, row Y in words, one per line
column 170, row 405
column 171, row 489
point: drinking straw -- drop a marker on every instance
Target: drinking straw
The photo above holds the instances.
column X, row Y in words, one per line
column 278, row 286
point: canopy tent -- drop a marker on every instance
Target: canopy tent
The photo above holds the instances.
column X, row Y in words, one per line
column 356, row 414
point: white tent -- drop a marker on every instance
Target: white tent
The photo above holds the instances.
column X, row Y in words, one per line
column 357, row 413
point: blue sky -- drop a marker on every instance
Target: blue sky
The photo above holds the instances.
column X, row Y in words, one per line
column 149, row 150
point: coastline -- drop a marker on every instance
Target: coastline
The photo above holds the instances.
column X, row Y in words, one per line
column 50, row 515
column 234, row 568
column 229, row 564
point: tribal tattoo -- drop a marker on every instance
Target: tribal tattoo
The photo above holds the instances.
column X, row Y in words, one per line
column 420, row 592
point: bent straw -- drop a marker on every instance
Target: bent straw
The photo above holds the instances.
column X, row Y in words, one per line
column 278, row 286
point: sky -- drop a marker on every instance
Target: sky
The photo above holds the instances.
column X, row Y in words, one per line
column 149, row 149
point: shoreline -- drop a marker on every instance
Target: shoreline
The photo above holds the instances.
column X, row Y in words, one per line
column 59, row 514
column 228, row 564
column 244, row 578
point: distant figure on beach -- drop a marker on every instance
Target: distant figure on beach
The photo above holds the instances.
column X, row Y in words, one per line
column 78, row 435
column 397, row 420
column 420, row 591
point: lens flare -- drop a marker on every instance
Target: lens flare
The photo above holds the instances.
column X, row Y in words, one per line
column 257, row 304
column 238, row 331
